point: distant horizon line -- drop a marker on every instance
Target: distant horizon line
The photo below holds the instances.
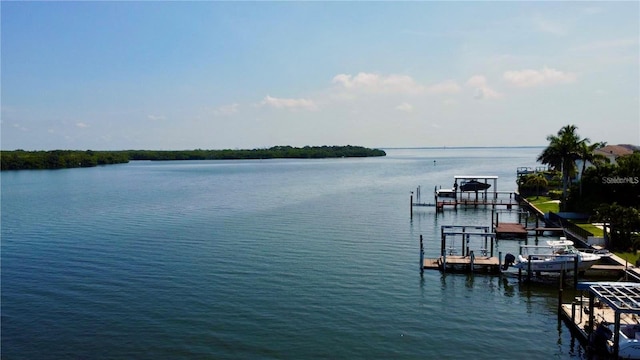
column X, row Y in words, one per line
column 464, row 147
column 369, row 147
column 258, row 148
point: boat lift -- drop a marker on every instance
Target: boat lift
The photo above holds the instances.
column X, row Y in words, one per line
column 474, row 254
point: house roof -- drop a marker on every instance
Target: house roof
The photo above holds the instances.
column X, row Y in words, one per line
column 616, row 150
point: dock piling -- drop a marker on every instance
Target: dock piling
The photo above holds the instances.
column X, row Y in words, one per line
column 421, row 256
column 411, row 205
column 472, row 261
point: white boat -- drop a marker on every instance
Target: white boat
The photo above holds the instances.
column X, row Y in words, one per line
column 628, row 340
column 446, row 193
column 555, row 256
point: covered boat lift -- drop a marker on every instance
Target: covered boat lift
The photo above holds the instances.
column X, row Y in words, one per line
column 476, row 183
column 485, row 188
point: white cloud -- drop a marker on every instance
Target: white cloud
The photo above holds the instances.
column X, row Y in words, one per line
column 155, row 117
column 81, row 125
column 291, row 104
column 227, row 110
column 405, row 107
column 545, row 76
column 20, row 127
column 449, row 102
column 592, row 10
column 547, row 26
column 481, row 88
column 445, row 87
column 607, row 44
column 477, row 81
column 375, row 83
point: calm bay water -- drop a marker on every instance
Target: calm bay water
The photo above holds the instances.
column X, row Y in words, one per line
column 259, row 259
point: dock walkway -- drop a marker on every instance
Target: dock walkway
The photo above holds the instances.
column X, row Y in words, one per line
column 453, row 263
column 510, row 229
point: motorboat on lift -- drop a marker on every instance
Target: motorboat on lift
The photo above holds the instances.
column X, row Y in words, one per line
column 446, row 193
column 555, row 256
column 473, row 185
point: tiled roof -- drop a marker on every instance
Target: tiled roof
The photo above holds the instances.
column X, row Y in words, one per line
column 616, row 150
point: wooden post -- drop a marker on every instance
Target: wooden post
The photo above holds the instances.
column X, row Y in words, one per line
column 411, row 205
column 591, row 313
column 575, row 272
column 529, row 269
column 421, row 256
column 467, row 245
column 492, row 239
column 616, row 335
column 485, row 245
column 560, row 295
column 463, row 231
column 444, row 263
column 472, row 260
column 443, row 242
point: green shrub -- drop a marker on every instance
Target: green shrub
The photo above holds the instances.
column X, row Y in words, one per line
column 555, row 194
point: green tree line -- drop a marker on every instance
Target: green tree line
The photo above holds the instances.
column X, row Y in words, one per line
column 60, row 159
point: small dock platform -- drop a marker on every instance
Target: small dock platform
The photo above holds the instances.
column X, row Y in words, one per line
column 457, row 263
column 540, row 230
column 475, row 244
column 510, row 230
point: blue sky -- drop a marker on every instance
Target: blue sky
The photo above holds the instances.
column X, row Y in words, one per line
column 217, row 75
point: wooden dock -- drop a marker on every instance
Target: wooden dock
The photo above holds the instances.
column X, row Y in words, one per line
column 493, row 199
column 440, row 205
column 457, row 263
column 540, row 230
column 503, row 230
column 476, row 246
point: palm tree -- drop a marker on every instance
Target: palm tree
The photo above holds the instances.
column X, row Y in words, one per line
column 587, row 154
column 537, row 180
column 561, row 154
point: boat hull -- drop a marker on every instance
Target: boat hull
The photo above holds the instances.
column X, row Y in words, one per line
column 474, row 185
column 629, row 342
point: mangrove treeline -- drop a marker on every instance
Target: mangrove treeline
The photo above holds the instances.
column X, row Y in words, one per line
column 60, row 159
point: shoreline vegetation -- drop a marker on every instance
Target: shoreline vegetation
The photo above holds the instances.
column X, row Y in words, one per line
column 65, row 159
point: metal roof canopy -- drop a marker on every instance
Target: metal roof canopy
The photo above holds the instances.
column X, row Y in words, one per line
column 492, row 235
column 470, row 177
column 486, row 179
column 622, row 297
column 465, row 227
